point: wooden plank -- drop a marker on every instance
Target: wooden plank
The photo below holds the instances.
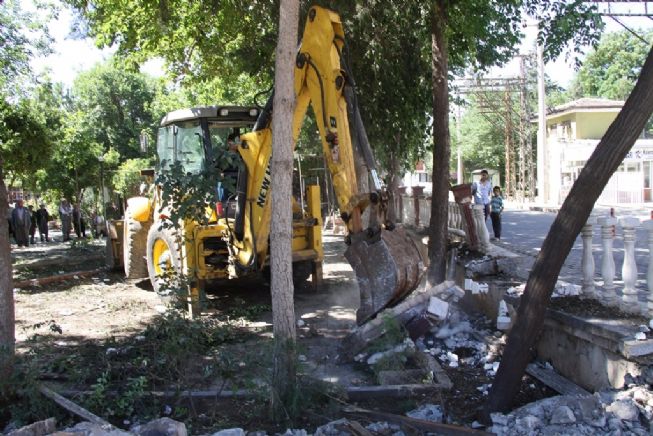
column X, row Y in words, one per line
column 555, row 381
column 74, row 408
column 419, row 425
column 57, row 278
column 359, row 393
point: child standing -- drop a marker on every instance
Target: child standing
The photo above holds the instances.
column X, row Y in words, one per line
column 496, row 207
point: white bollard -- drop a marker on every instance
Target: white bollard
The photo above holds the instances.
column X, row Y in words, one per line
column 629, row 269
column 454, row 216
column 481, row 228
column 588, row 267
column 607, row 260
column 648, row 225
column 459, row 217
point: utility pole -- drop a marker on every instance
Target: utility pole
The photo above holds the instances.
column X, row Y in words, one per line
column 510, row 173
column 521, row 188
column 542, row 167
column 459, row 153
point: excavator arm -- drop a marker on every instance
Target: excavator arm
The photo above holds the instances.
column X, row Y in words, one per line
column 387, row 262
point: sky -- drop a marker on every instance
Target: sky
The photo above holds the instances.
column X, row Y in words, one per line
column 73, row 56
column 561, row 70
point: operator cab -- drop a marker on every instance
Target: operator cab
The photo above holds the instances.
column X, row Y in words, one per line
column 193, row 137
column 198, row 137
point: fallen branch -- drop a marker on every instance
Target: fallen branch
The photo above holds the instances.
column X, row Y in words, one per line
column 352, row 392
column 58, row 278
column 418, row 425
column 74, row 408
column 208, row 394
column 360, row 393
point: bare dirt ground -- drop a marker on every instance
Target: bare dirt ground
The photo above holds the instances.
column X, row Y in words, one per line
column 106, row 342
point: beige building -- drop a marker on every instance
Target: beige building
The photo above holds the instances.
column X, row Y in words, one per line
column 573, row 132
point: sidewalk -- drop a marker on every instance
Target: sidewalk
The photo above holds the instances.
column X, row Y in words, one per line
column 524, row 231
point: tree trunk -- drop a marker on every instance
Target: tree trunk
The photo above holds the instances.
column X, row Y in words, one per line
column 393, row 183
column 283, row 313
column 607, row 157
column 441, row 147
column 7, row 316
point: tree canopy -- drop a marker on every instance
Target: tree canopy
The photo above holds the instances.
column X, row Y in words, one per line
column 611, row 69
column 21, row 37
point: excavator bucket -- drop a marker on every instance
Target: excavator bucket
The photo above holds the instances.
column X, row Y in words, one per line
column 388, row 266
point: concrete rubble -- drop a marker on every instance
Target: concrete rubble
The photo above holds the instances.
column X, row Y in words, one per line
column 628, row 411
column 562, row 289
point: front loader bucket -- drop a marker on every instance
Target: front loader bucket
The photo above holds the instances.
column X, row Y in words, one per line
column 388, row 266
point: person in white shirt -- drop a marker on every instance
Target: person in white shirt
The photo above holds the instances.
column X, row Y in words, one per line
column 482, row 191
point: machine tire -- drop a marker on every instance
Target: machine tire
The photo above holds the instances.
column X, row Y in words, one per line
column 134, row 245
column 111, row 262
column 162, row 253
column 301, row 271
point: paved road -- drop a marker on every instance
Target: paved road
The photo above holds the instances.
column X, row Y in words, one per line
column 523, row 231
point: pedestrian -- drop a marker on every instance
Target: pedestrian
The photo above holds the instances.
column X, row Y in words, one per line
column 65, row 214
column 32, row 224
column 21, row 220
column 496, row 207
column 42, row 218
column 78, row 222
column 10, row 223
column 481, row 191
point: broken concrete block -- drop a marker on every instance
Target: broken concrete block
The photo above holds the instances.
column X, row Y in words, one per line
column 427, row 412
column 38, row 428
column 230, row 432
column 406, row 345
column 161, row 427
column 528, row 423
column 481, row 267
column 438, row 308
column 503, row 323
column 598, row 422
column 640, row 336
column 499, row 419
column 503, row 308
column 89, row 429
column 624, row 410
column 469, row 284
column 563, row 415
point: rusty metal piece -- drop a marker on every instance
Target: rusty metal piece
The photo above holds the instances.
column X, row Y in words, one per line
column 388, row 266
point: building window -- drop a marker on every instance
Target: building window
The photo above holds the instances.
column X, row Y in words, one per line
column 565, row 133
column 424, row 177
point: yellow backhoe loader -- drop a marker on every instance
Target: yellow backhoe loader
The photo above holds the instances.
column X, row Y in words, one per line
column 234, row 243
